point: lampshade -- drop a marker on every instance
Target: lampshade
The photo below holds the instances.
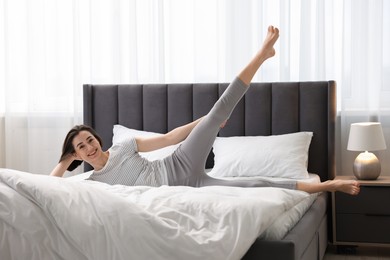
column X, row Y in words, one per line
column 366, row 136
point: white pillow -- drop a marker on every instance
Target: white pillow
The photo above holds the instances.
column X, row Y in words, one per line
column 121, row 133
column 283, row 156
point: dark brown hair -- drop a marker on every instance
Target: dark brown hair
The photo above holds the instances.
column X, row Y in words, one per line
column 67, row 147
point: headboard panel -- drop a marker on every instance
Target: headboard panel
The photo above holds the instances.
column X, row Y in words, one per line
column 266, row 109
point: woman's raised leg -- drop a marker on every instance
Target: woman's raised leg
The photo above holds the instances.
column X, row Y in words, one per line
column 267, row 51
column 186, row 165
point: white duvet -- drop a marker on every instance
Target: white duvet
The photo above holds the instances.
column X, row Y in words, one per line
column 43, row 217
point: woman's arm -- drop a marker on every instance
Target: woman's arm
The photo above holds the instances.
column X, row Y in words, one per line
column 62, row 166
column 147, row 144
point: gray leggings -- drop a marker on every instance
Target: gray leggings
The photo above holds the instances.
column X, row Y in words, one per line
column 186, row 165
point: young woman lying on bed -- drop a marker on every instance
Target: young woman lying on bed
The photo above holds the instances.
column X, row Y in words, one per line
column 122, row 164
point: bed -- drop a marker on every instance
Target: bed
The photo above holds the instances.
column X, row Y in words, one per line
column 267, row 109
column 46, row 217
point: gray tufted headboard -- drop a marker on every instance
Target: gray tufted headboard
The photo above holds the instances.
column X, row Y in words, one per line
column 266, row 109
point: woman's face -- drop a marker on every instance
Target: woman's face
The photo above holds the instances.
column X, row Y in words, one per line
column 86, row 146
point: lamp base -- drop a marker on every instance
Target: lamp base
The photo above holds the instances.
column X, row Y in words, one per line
column 366, row 166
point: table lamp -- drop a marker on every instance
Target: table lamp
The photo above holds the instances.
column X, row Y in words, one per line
column 365, row 137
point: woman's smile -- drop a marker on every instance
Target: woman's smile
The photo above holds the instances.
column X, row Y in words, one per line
column 94, row 152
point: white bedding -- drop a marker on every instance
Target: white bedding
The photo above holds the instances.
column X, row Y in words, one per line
column 43, row 217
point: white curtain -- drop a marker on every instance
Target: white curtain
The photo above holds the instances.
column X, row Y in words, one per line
column 50, row 48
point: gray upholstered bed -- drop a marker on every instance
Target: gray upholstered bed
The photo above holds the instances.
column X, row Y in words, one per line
column 267, row 109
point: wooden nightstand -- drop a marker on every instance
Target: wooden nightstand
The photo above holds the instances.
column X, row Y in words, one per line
column 363, row 219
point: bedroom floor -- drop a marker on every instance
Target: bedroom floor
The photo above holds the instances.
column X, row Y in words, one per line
column 358, row 253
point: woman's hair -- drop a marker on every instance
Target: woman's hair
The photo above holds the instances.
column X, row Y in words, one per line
column 67, row 147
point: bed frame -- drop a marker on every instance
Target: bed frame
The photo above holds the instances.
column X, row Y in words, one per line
column 266, row 109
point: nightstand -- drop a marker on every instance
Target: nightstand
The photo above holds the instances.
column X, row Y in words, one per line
column 363, row 219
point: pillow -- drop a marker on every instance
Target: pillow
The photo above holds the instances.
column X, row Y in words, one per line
column 283, row 156
column 121, row 133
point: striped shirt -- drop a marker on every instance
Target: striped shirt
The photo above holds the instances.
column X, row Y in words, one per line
column 125, row 166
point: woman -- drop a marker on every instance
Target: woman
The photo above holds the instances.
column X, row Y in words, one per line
column 122, row 164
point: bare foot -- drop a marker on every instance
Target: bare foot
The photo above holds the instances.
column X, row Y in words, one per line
column 267, row 50
column 347, row 186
